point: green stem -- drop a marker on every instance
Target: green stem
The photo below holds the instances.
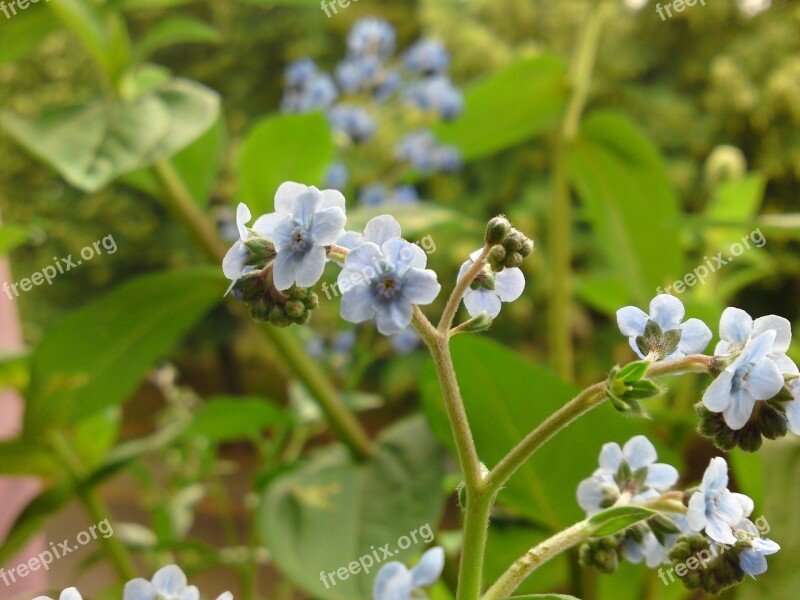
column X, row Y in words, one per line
column 535, row 558
column 94, row 505
column 457, row 295
column 560, row 248
column 181, row 204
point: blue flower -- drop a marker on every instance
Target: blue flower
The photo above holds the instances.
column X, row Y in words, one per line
column 428, row 57
column 318, row 92
column 650, row 549
column 667, row 312
column 395, row 581
column 736, row 328
column 489, row 289
column 68, row 594
column 751, row 377
column 377, row 194
column 315, row 220
column 378, row 230
column 716, row 509
column 299, row 72
column 360, row 73
column 421, row 150
column 752, row 560
column 337, row 176
column 371, row 37
column 793, row 407
column 234, row 264
column 631, row 470
column 353, row 121
column 406, row 341
column 437, row 94
column 168, row 583
column 384, row 282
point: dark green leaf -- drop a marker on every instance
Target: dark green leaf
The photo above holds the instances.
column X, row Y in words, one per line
column 612, row 520
column 19, row 457
column 20, row 35
column 223, row 419
column 633, row 371
column 177, row 30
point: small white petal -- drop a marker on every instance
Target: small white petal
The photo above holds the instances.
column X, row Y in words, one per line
column 784, row 363
column 610, row 456
column 740, row 409
column 243, row 217
column 70, row 594
column 719, row 531
column 170, row 580
column 746, row 502
column 350, row 240
column 758, row 347
column 286, row 195
column 381, row 229
column 509, row 284
column 590, row 495
column 718, row 396
column 420, row 286
column 357, row 305
column 482, row 300
column 735, row 326
column 429, row 569
column 667, row 311
column 139, row 589
column 364, row 259
column 631, row 321
column 729, row 508
column 715, row 476
column 328, row 224
column 234, row 262
column 393, row 582
column 190, row 593
column 282, row 233
column 225, row 596
column 404, row 254
column 793, row 415
column 393, row 317
column 639, row 452
column 752, row 562
column 695, row 336
column 284, row 269
column 782, row 328
column 265, row 224
column 306, row 206
column 661, row 476
column 331, row 198
column 765, row 380
column 765, row 546
column 696, row 514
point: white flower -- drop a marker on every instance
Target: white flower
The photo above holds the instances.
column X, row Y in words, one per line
column 378, row 230
column 68, row 594
column 736, row 328
column 666, row 312
column 489, row 289
column 168, row 583
column 234, row 264
column 395, row 581
column 716, row 509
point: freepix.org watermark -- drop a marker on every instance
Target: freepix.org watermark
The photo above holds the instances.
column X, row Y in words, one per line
column 713, row 264
column 59, row 267
column 331, row 5
column 10, row 8
column 56, row 551
column 420, row 535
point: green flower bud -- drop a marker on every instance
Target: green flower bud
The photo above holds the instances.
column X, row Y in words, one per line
column 495, row 258
column 773, row 422
column 295, row 309
column 514, row 241
column 601, row 554
column 496, row 230
column 513, row 260
column 277, row 317
column 527, row 248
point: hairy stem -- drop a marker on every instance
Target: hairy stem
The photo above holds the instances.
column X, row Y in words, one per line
column 454, row 301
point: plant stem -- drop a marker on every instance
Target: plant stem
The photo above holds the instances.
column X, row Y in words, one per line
column 535, row 558
column 588, row 399
column 180, row 202
column 94, row 505
column 457, row 295
column 559, row 242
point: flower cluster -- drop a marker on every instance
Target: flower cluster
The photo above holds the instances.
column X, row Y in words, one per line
column 395, row 581
column 369, row 78
column 709, row 521
column 168, row 583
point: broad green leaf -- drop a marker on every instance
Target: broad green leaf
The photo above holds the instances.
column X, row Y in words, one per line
column 12, row 237
column 521, row 101
column 506, row 397
column 224, row 419
column 283, row 148
column 177, row 30
column 96, row 356
column 618, row 518
column 20, row 35
column 19, row 457
column 15, row 370
column 95, row 435
column 621, row 179
column 90, row 145
column 330, row 512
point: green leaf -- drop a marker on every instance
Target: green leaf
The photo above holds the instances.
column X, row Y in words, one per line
column 145, row 4
column 12, row 237
column 15, row 370
column 519, row 102
column 633, row 371
column 96, row 356
column 224, row 419
column 612, row 520
column 415, row 220
column 19, row 457
column 94, row 436
column 621, row 179
column 20, row 35
column 506, row 397
column 283, row 148
column 177, row 30
column 330, row 512
column 92, row 144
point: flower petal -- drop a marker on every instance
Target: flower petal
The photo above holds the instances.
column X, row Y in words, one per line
column 420, row 286
column 139, row 589
column 70, row 594
column 286, row 195
column 243, row 217
column 661, row 476
column 190, row 593
column 509, row 284
column 404, row 254
column 328, row 224
column 358, row 304
column 225, row 596
column 740, row 409
column 729, row 508
column 306, row 206
column 169, row 581
column 234, row 261
column 695, row 336
column 482, row 300
column 719, row 531
column 667, row 311
column 758, row 347
column 393, row 582
column 735, row 326
column 284, row 269
column 364, row 259
column 333, row 198
column 696, row 515
column 350, row 240
column 716, row 474
column 631, row 321
column 639, row 452
column 765, row 380
column 265, row 224
column 392, row 317
column 746, row 502
column 610, row 456
column 310, row 267
column 718, row 396
column 381, row 229
column 282, row 233
column 793, row 415
column 589, row 495
column 752, row 562
column 429, row 569
column 781, row 327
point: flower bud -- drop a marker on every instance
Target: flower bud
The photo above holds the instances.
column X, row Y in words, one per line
column 277, row 317
column 295, row 309
column 495, row 258
column 527, row 248
column 514, row 241
column 513, row 260
column 496, row 230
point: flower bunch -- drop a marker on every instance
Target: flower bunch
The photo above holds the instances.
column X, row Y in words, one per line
column 367, row 79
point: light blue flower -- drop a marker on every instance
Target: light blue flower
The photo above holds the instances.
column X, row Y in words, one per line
column 428, row 57
column 437, row 94
column 736, row 328
column 314, row 220
column 385, row 282
column 234, row 264
column 753, row 560
column 406, row 341
column 378, row 230
column 299, row 72
column 420, row 149
column 353, row 121
column 168, row 583
column 371, row 37
column 377, row 194
column 489, row 289
column 793, row 407
column 751, row 377
column 395, row 581
column 713, row 508
column 68, row 594
column 337, row 176
column 631, row 470
column 360, row 74
column 667, row 312
column 318, row 92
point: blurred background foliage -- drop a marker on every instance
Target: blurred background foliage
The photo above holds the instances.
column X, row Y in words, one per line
column 691, row 140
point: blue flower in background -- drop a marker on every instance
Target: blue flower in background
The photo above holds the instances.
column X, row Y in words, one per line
column 424, row 153
column 168, row 583
column 751, row 377
column 370, row 37
column 299, row 72
column 344, row 341
column 437, row 94
column 68, row 594
column 318, row 92
column 395, row 581
column 489, row 289
column 360, row 73
column 389, row 83
column 428, row 57
column 337, row 176
column 667, row 312
column 353, row 121
column 384, row 282
column 716, row 509
column 406, row 341
column 377, row 194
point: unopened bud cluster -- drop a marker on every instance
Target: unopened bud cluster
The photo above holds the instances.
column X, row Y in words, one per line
column 268, row 305
column 509, row 246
